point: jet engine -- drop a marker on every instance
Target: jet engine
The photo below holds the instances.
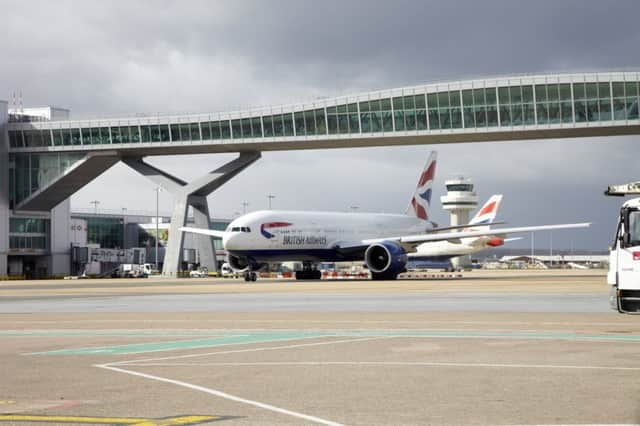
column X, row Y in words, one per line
column 385, row 260
column 237, row 263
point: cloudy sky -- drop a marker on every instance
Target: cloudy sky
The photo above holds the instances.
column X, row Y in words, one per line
column 123, row 57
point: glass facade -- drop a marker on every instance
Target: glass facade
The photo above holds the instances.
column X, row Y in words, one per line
column 484, row 107
column 27, row 234
column 106, row 231
column 30, row 172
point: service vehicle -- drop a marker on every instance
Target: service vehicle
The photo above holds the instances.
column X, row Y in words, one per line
column 624, row 258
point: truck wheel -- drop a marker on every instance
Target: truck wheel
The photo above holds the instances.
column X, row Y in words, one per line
column 254, row 276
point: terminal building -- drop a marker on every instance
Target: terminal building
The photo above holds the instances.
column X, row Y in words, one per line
column 46, row 156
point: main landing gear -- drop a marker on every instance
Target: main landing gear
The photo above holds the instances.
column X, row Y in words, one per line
column 308, row 273
column 250, row 276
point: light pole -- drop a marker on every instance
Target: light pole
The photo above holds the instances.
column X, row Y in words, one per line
column 244, row 207
column 95, row 206
column 532, row 244
column 270, row 197
column 551, row 248
column 157, row 189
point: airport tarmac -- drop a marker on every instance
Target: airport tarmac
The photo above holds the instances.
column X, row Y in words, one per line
column 497, row 347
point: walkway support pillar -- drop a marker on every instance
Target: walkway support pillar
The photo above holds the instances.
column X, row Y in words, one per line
column 192, row 194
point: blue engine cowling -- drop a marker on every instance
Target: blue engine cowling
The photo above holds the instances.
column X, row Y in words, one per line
column 386, row 259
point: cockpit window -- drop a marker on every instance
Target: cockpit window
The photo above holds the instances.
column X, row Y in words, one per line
column 240, row 229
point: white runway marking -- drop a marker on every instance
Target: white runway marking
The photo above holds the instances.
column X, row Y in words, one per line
column 224, row 395
column 111, row 366
column 384, row 364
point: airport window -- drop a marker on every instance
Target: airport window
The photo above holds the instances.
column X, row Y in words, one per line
column 246, row 127
column 205, row 127
column 164, row 133
column 299, row 123
column 332, row 120
column 66, row 137
column 15, row 138
column 287, row 121
column 135, row 134
column 278, row 129
column 175, row 132
column 124, row 135
column 27, row 243
column 115, row 134
column 516, row 106
column 195, row 131
column 155, row 133
column 215, row 130
column 146, row 133
column 310, row 123
column 236, row 129
column 365, row 121
column 321, row 125
column 46, row 138
column 256, row 125
column 225, row 129
column 95, row 136
column 27, row 225
column 267, row 122
column 625, row 101
column 105, row 231
column 185, row 132
column 31, row 138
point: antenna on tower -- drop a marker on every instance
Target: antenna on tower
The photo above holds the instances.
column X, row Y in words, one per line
column 21, row 110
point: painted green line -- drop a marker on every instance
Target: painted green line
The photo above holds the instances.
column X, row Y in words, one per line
column 265, row 337
column 185, row 344
column 111, row 333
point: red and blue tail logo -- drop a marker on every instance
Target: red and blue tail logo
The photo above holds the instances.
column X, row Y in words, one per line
column 487, row 213
column 421, row 200
column 265, row 226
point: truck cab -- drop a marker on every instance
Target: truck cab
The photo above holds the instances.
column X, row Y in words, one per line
column 624, row 260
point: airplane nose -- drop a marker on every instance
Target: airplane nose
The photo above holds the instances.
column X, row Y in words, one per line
column 229, row 240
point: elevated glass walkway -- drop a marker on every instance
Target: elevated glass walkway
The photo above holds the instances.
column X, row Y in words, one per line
column 520, row 107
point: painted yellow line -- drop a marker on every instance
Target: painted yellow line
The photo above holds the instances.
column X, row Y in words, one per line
column 169, row 421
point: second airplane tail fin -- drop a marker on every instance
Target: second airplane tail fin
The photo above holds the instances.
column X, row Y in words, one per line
column 421, row 199
column 487, row 214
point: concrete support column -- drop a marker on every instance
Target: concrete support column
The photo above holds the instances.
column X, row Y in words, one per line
column 4, row 188
column 192, row 194
column 204, row 243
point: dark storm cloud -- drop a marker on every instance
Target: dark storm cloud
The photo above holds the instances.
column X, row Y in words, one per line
column 108, row 58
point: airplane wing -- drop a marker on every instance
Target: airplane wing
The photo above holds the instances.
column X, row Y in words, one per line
column 210, row 232
column 409, row 242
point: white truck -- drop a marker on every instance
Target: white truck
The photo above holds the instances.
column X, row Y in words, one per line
column 132, row 270
column 624, row 259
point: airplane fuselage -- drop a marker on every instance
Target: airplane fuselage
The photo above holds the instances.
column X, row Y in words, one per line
column 272, row 236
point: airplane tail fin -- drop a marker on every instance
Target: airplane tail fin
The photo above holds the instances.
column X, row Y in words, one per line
column 486, row 215
column 421, row 199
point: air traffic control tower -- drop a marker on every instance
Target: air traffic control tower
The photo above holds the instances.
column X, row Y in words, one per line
column 42, row 163
column 459, row 200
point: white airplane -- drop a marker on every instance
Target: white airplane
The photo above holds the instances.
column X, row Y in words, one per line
column 381, row 240
column 438, row 254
